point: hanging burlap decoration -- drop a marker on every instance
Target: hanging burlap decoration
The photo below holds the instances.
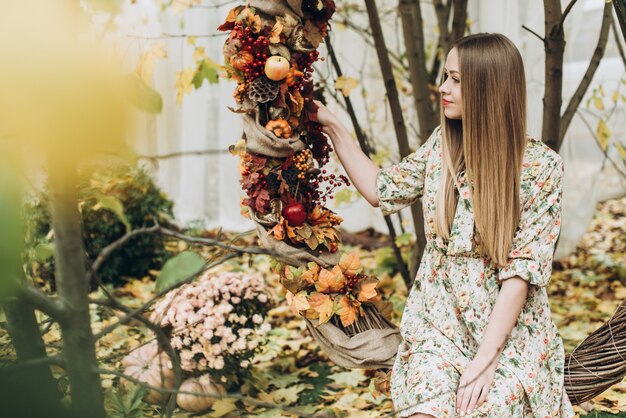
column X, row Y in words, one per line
column 373, row 348
column 278, row 8
column 293, row 256
column 262, row 141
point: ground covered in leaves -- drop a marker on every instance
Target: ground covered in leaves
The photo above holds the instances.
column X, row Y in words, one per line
column 586, row 289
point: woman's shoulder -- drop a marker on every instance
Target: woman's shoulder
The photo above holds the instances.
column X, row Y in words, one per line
column 539, row 158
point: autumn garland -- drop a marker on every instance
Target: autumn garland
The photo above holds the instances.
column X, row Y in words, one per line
column 271, row 59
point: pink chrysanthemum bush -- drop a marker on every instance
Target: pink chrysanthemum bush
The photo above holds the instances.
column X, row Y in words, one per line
column 217, row 323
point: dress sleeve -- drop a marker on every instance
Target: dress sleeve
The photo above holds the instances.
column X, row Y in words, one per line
column 401, row 184
column 533, row 245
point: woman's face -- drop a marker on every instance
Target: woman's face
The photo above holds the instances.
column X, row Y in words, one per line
column 451, row 88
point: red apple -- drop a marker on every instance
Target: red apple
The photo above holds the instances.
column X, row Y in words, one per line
column 276, row 68
column 295, row 214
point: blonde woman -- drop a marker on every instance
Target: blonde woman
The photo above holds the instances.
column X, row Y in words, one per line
column 478, row 337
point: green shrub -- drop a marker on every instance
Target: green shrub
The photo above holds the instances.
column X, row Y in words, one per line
column 112, row 201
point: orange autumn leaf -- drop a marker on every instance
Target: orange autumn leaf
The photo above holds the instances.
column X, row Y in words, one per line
column 350, row 263
column 297, row 302
column 367, row 289
column 278, row 231
column 323, row 305
column 319, row 216
column 330, row 281
column 276, row 31
column 312, row 273
column 348, row 310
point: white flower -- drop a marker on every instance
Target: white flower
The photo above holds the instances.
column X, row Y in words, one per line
column 257, row 319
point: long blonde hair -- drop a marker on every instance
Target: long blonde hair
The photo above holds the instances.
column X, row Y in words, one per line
column 488, row 142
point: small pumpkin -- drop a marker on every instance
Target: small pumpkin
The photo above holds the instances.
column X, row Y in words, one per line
column 241, row 59
column 293, row 75
column 150, row 365
column 197, row 403
column 280, row 127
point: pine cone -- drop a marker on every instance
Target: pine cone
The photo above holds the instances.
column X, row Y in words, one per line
column 263, row 90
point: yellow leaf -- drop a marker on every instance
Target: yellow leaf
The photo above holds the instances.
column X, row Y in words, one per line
column 147, row 61
column 604, row 133
column 615, row 96
column 223, row 406
column 199, row 54
column 297, row 302
column 346, row 84
column 183, row 83
column 323, row 305
column 330, row 281
column 191, row 40
column 621, row 150
column 598, row 103
column 350, row 263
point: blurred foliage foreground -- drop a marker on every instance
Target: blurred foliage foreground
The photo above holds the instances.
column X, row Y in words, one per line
column 289, row 369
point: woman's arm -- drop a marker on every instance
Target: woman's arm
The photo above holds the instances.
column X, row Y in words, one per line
column 478, row 376
column 360, row 169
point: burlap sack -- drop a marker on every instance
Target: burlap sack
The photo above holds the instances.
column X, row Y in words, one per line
column 278, row 8
column 262, row 141
column 297, row 257
column 371, row 349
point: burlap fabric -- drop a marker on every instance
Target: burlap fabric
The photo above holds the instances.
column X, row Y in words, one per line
column 278, row 8
column 262, row 141
column 293, row 256
column 371, row 349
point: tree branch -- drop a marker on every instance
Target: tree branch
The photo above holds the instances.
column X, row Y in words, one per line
column 51, row 306
column 578, row 95
column 566, row 11
column 620, row 11
column 534, row 33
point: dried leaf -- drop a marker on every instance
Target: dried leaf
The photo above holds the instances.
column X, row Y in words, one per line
column 330, row 281
column 350, row 263
column 323, row 305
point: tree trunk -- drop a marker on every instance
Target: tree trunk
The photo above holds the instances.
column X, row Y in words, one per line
column 412, row 25
column 396, row 112
column 578, row 95
column 620, row 11
column 31, row 391
column 554, row 45
column 72, row 287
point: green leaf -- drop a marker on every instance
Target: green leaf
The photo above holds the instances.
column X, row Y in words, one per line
column 143, row 96
column 344, row 195
column 113, row 204
column 178, row 268
column 404, row 239
column 207, row 70
column 44, row 251
column 110, row 6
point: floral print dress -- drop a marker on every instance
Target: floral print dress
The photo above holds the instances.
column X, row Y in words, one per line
column 450, row 302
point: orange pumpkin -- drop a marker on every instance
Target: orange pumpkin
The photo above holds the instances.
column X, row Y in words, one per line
column 240, row 60
column 280, row 127
column 293, row 75
column 150, row 365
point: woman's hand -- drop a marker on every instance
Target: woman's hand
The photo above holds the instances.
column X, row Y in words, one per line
column 326, row 118
column 475, row 383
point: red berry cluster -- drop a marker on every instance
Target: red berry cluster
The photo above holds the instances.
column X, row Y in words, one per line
column 258, row 47
column 351, row 281
column 304, row 61
column 333, row 180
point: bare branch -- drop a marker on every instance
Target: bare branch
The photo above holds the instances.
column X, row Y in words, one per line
column 534, row 33
column 566, row 11
column 36, row 362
